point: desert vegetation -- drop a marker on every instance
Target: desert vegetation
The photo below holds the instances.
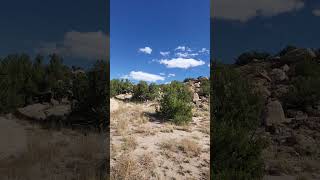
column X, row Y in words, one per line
column 160, row 131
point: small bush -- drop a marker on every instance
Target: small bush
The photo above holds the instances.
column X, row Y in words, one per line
column 205, row 88
column 175, row 103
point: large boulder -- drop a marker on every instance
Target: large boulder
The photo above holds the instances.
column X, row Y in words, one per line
column 196, row 97
column 59, row 111
column 275, row 114
column 34, row 111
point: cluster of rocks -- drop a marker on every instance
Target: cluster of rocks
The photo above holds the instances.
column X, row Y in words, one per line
column 194, row 85
column 294, row 133
column 46, row 111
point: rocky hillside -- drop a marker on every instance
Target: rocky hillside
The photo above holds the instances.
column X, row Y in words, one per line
column 289, row 85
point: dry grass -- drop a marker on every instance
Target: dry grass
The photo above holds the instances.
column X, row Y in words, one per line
column 55, row 157
column 190, row 147
column 129, row 143
column 128, row 168
column 122, row 127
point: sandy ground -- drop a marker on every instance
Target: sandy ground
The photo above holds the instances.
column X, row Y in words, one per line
column 143, row 147
column 29, row 152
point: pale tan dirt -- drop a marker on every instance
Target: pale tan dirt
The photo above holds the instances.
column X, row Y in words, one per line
column 178, row 152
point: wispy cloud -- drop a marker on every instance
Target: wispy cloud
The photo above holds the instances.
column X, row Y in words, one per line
column 183, row 63
column 244, row 10
column 143, row 76
column 146, row 50
column 186, row 54
column 167, row 53
column 183, row 48
column 171, row 75
column 88, row 45
column 204, row 51
column 316, row 12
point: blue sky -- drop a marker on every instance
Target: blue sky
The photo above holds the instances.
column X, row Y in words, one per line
column 263, row 25
column 141, row 29
column 74, row 29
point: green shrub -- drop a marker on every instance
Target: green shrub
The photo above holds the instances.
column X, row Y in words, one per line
column 204, row 88
column 175, row 104
column 235, row 116
column 120, row 87
column 248, row 57
column 140, row 91
column 153, row 91
column 304, row 92
column 305, row 89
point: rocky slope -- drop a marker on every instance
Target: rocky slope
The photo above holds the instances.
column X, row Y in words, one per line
column 293, row 132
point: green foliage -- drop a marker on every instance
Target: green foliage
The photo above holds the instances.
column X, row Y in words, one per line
column 248, row 57
column 153, row 91
column 140, row 91
column 235, row 113
column 175, row 104
column 305, row 89
column 120, row 87
column 204, row 88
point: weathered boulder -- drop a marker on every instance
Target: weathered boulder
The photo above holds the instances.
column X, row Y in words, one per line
column 195, row 97
column 285, row 68
column 34, row 111
column 124, row 96
column 59, row 111
column 278, row 75
column 275, row 114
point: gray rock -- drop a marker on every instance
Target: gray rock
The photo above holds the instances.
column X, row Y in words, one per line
column 274, row 114
column 285, row 68
column 59, row 111
column 34, row 111
column 195, row 97
column 278, row 75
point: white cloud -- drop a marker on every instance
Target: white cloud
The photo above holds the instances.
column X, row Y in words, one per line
column 204, row 51
column 316, row 12
column 171, row 75
column 88, row 45
column 182, row 48
column 143, row 76
column 162, row 74
column 244, row 10
column 146, row 50
column 167, row 53
column 186, row 54
column 183, row 63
